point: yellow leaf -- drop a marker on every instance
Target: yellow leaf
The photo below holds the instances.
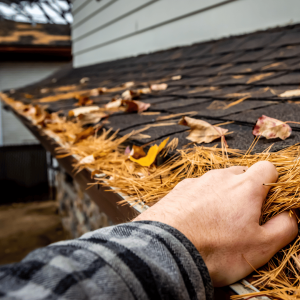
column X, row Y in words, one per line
column 149, row 159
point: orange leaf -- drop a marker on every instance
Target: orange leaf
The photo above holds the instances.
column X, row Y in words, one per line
column 271, row 128
column 201, row 131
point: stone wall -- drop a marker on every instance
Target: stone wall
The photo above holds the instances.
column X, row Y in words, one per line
column 78, row 212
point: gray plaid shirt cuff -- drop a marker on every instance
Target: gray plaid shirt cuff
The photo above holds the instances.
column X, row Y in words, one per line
column 137, row 260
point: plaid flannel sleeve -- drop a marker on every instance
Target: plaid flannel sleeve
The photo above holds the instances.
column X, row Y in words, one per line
column 137, row 260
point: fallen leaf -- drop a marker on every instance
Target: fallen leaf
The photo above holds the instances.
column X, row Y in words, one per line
column 82, row 110
column 115, row 103
column 149, row 159
column 291, row 93
column 91, row 118
column 137, row 152
column 201, row 131
column 84, row 80
column 177, row 77
column 271, row 128
column 83, row 100
column 128, row 105
column 98, row 91
column 158, row 87
column 132, row 105
column 128, row 84
column 217, row 104
column 84, row 134
column 259, row 77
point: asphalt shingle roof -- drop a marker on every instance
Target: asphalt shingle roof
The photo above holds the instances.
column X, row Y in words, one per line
column 260, row 65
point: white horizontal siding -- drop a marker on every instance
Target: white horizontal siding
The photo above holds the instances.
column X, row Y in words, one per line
column 14, row 75
column 77, row 4
column 91, row 7
column 168, row 23
column 155, row 13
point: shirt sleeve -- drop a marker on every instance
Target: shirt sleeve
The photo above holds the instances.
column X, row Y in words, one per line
column 137, row 260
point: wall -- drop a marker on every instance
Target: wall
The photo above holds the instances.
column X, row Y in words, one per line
column 14, row 75
column 110, row 29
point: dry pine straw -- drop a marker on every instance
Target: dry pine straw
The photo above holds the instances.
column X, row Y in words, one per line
column 280, row 278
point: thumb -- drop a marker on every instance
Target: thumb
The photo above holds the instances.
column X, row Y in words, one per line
column 280, row 231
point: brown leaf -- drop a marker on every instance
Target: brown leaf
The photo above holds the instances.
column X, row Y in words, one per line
column 137, row 152
column 201, row 131
column 83, row 100
column 271, row 128
column 128, row 105
column 84, row 134
column 91, row 118
column 132, row 105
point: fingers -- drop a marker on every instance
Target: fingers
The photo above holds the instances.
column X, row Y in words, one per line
column 260, row 173
column 280, row 231
column 237, row 170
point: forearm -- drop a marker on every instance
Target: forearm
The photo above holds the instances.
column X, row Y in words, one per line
column 138, row 260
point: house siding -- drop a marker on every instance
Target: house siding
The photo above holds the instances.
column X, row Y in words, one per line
column 110, row 29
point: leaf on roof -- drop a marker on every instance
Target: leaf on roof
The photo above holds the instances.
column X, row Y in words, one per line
column 98, row 91
column 132, row 105
column 91, row 118
column 128, row 84
column 83, row 100
column 82, row 110
column 128, row 105
column 201, row 131
column 177, row 77
column 259, row 77
column 84, row 134
column 84, row 80
column 271, row 128
column 290, row 93
column 159, row 87
column 135, row 94
column 150, row 158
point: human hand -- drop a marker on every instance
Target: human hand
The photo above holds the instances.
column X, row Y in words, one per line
column 219, row 213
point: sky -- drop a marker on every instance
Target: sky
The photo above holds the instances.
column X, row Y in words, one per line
column 35, row 11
